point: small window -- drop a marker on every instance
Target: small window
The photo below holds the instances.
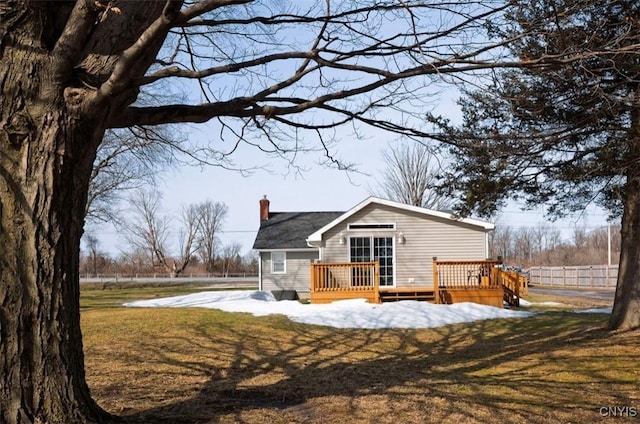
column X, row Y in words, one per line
column 278, row 262
column 372, row 226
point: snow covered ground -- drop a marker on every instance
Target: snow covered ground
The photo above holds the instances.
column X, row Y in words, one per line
column 356, row 313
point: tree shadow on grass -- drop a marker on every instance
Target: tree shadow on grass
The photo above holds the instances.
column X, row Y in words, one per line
column 555, row 367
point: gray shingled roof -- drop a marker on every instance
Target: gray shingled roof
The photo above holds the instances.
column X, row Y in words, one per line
column 289, row 230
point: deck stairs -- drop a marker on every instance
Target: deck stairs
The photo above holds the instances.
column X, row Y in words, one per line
column 407, row 294
column 514, row 285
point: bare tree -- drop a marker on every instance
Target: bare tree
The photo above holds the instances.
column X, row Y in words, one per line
column 580, row 237
column 230, row 257
column 149, row 230
column 92, row 244
column 211, row 217
column 409, row 177
column 279, row 76
column 546, row 237
column 524, row 244
column 250, row 261
column 127, row 159
column 501, row 243
column 187, row 239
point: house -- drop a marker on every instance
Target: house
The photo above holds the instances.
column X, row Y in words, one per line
column 380, row 250
column 284, row 255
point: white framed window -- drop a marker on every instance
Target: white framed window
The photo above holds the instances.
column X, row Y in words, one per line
column 278, row 262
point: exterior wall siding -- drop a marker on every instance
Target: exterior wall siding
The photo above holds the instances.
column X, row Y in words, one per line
column 297, row 277
column 424, row 238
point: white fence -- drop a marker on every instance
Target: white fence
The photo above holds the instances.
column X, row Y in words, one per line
column 162, row 275
column 586, row 276
column 250, row 281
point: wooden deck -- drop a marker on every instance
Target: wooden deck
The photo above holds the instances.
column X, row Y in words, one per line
column 483, row 282
column 340, row 281
column 468, row 281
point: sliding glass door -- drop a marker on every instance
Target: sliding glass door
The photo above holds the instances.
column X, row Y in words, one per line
column 365, row 249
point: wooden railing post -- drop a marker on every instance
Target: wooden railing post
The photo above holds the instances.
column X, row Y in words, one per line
column 436, row 284
column 312, row 269
column 376, row 282
column 314, row 277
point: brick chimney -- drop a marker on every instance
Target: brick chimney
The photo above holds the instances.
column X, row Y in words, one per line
column 264, row 209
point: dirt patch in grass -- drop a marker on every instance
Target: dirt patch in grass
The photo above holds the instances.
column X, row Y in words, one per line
column 206, row 366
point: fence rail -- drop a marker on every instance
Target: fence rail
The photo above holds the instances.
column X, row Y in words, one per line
column 586, row 276
column 248, row 281
column 164, row 275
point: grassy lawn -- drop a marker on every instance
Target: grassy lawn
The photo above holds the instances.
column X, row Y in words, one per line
column 206, row 366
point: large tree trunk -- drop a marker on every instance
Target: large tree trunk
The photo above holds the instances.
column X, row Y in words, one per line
column 46, row 155
column 626, row 307
column 51, row 61
column 41, row 355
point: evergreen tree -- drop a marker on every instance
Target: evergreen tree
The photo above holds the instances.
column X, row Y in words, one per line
column 564, row 135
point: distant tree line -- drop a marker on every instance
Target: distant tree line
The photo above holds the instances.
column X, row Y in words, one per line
column 544, row 246
column 229, row 262
column 159, row 243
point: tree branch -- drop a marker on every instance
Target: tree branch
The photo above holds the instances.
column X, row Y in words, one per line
column 187, row 73
column 130, row 63
column 203, row 7
column 69, row 47
column 248, row 107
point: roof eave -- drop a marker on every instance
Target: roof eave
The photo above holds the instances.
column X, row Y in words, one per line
column 317, row 236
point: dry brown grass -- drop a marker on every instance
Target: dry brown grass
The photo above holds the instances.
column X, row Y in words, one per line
column 206, row 366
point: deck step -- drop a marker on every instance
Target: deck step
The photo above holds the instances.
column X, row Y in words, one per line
column 510, row 297
column 394, row 296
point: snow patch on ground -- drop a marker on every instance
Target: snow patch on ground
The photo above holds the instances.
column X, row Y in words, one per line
column 595, row 311
column 353, row 313
column 526, row 304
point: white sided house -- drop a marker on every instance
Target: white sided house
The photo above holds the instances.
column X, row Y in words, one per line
column 327, row 256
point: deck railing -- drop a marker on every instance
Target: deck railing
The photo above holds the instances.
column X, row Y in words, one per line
column 466, row 274
column 462, row 275
column 453, row 281
column 516, row 282
column 350, row 276
column 487, row 274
